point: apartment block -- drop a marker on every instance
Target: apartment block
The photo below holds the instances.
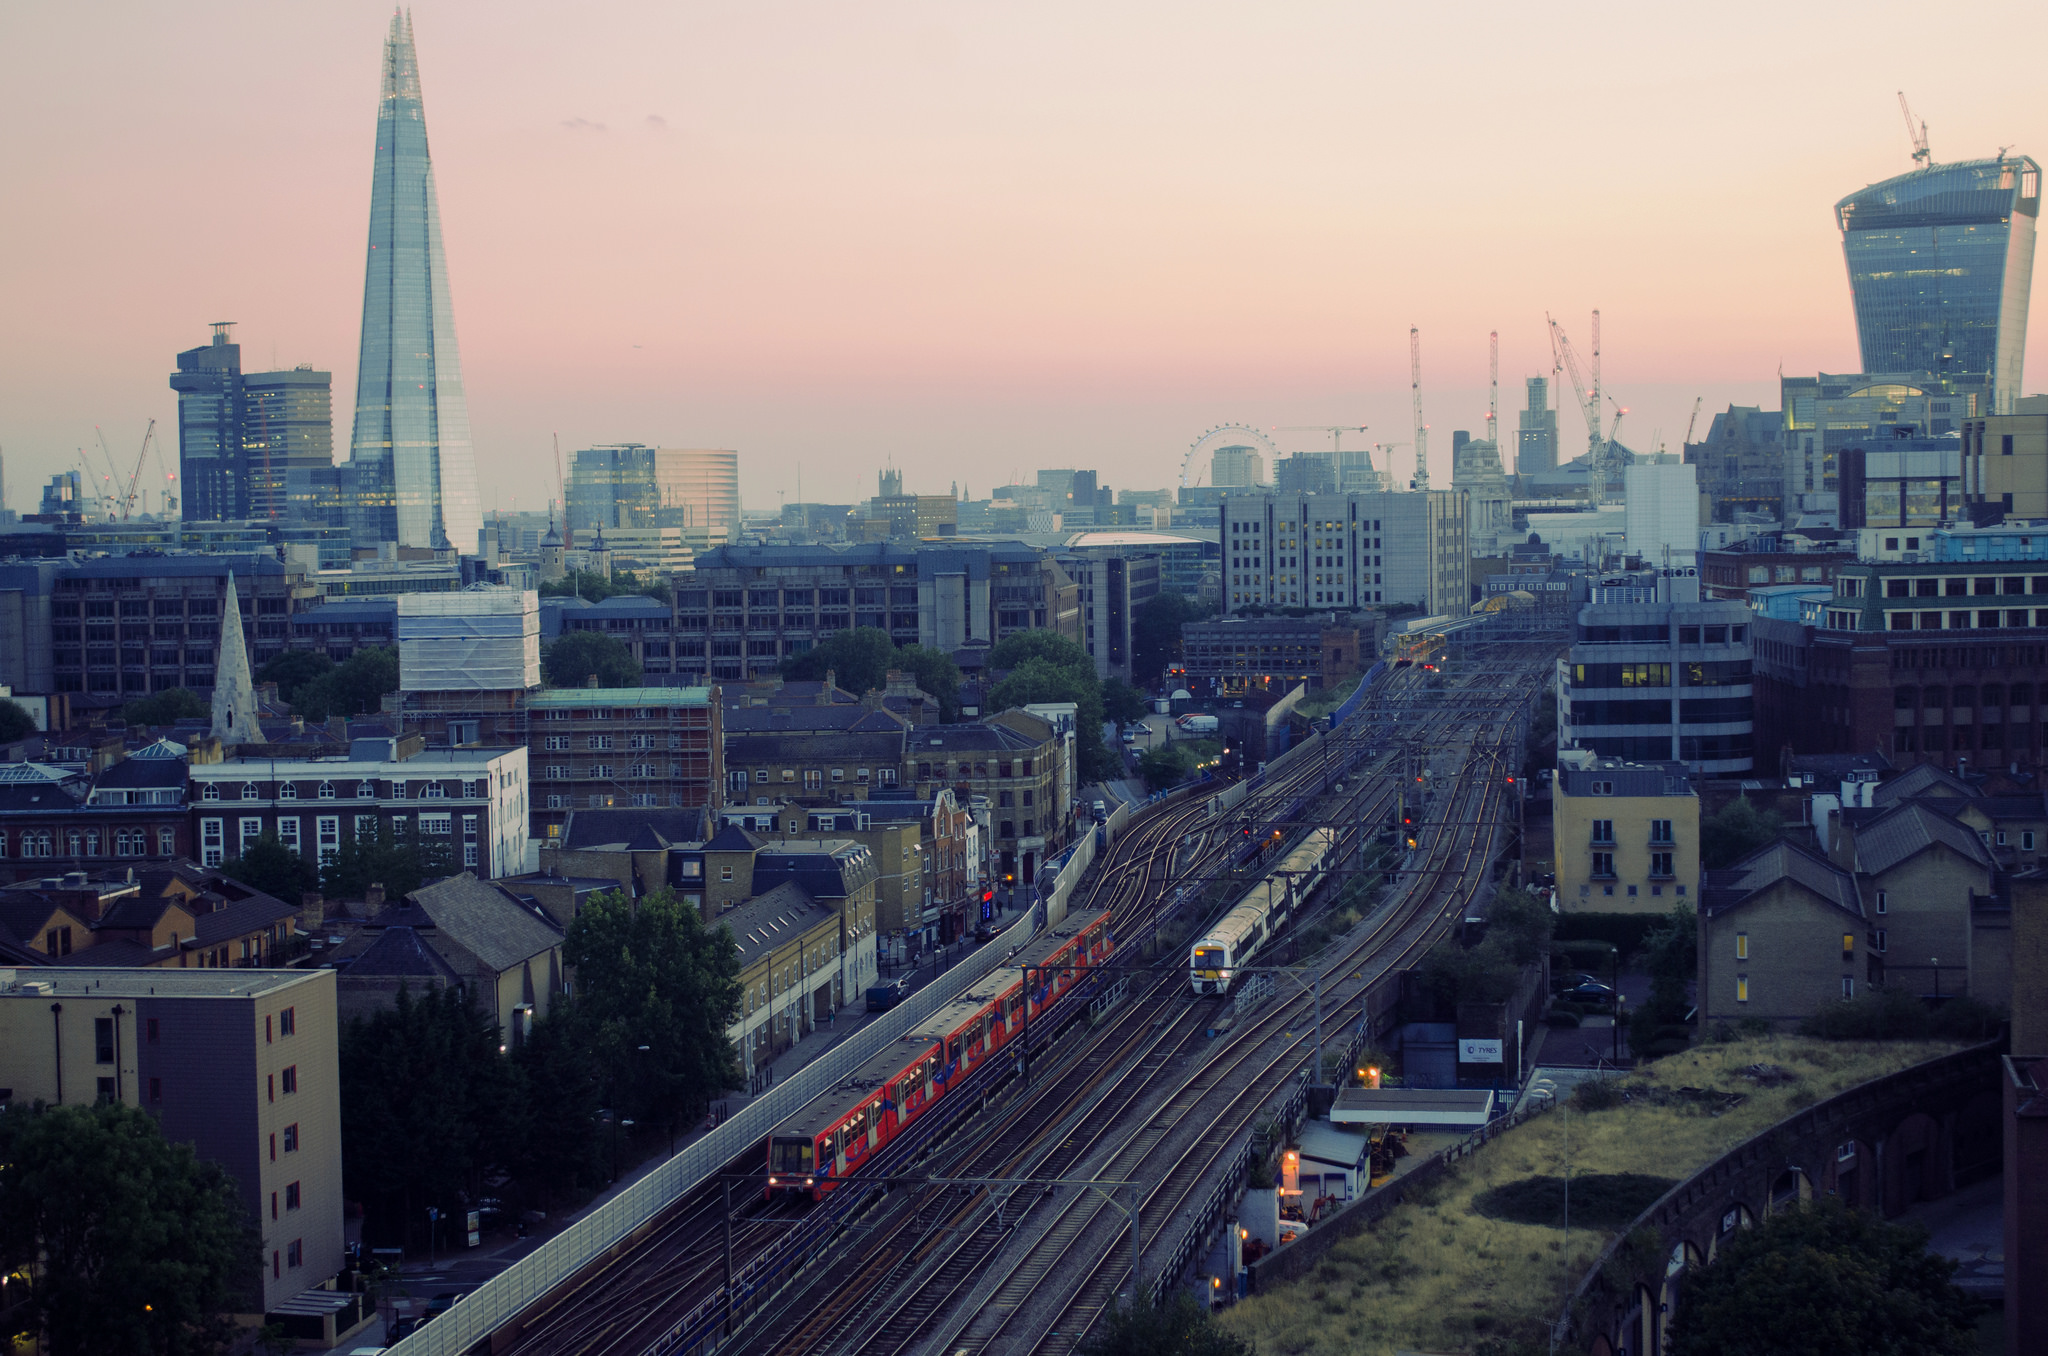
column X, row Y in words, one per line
column 1289, row 551
column 629, row 747
column 240, row 1064
column 1627, row 835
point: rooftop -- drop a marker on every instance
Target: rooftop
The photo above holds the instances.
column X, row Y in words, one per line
column 554, row 698
column 95, row 982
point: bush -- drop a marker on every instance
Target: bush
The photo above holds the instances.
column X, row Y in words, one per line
column 1895, row 1015
column 1596, row 1094
column 1624, row 930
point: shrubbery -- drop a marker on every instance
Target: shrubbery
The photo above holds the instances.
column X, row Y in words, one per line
column 1895, row 1015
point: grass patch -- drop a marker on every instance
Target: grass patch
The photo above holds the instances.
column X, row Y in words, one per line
column 1438, row 1274
column 1606, row 1200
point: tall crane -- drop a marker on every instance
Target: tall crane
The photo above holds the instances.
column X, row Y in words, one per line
column 1922, row 157
column 1697, row 401
column 128, row 496
column 1415, row 390
column 1336, row 431
column 1493, row 391
column 1565, row 360
column 562, row 495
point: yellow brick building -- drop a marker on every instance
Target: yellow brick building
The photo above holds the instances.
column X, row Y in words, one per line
column 1626, row 835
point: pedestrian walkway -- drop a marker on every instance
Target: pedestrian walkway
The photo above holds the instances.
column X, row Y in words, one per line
column 1969, row 1226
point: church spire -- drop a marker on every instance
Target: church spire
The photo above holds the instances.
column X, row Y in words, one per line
column 234, row 691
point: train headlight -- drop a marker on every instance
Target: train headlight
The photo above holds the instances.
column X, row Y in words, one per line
column 810, row 1181
column 774, row 1182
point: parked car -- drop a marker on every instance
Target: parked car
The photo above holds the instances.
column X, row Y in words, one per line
column 1570, row 979
column 1101, row 812
column 442, row 1303
column 1592, row 994
column 887, row 994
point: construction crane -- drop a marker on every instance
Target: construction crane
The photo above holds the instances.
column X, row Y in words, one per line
column 1614, row 429
column 127, row 500
column 1565, row 360
column 169, row 497
column 1336, row 431
column 1415, row 390
column 562, row 496
column 1917, row 131
column 1697, row 401
column 1493, row 391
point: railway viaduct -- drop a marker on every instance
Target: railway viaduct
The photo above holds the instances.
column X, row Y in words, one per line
column 1915, row 1135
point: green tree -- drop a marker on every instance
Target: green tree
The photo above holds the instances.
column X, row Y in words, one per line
column 268, row 865
column 859, row 660
column 1824, row 1279
column 126, row 1242
column 1044, row 666
column 936, row 673
column 165, row 708
column 561, row 1146
column 1735, row 831
column 294, row 669
column 1672, row 951
column 15, row 723
column 355, row 686
column 399, row 864
column 577, row 655
column 1162, row 767
column 1155, row 633
column 593, row 587
column 402, row 1149
column 1123, row 703
column 654, row 976
column 1181, row 1328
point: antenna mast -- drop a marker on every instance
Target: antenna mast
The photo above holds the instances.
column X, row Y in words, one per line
column 1493, row 389
column 1415, row 390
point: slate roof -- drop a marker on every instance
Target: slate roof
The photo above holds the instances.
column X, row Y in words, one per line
column 768, row 920
column 733, row 838
column 1774, row 862
column 1919, row 780
column 161, row 774
column 22, row 915
column 883, row 747
column 401, row 952
column 143, row 911
column 482, row 919
column 238, row 917
column 1891, row 838
column 773, row 719
column 112, row 951
column 633, row 830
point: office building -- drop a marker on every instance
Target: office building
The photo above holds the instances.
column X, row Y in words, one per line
column 1627, row 835
column 63, row 497
column 474, row 800
column 1772, row 560
column 1824, row 414
column 1476, row 472
column 1237, row 654
column 251, row 445
column 1657, row 680
column 609, row 748
column 1741, row 462
column 632, row 485
column 2006, row 458
column 1536, row 438
column 1900, row 482
column 241, row 1064
column 1940, row 268
column 1187, row 560
column 410, row 458
column 1347, row 550
column 1236, row 466
column 1113, row 584
column 1305, row 473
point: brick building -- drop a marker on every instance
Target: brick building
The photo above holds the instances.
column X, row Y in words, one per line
column 637, row 747
column 1232, row 654
column 54, row 820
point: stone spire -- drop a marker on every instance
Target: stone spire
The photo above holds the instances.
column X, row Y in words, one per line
column 234, row 691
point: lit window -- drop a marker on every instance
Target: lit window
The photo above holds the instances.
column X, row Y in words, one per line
column 1742, row 988
column 1742, row 946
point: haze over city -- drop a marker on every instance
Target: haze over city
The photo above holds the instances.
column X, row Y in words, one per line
column 967, row 242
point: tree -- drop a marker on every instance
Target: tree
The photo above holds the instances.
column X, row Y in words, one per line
column 593, row 587
column 937, row 674
column 404, row 1149
column 1044, row 666
column 353, row 687
column 1822, row 1279
column 1162, row 767
column 654, row 976
column 1735, row 831
column 561, row 1146
column 165, row 708
column 294, row 669
column 1182, row 1328
column 15, row 723
column 268, row 865
column 859, row 660
column 1673, row 954
column 127, row 1242
column 1123, row 703
column 577, row 655
column 400, row 865
column 1155, row 633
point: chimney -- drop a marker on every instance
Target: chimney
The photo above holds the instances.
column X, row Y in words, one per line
column 825, row 692
column 373, row 896
column 590, row 680
column 312, row 910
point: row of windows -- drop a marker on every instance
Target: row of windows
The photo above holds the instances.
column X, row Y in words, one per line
column 468, row 790
column 1603, row 829
column 1963, row 694
column 32, row 844
column 1972, row 586
column 1984, row 619
column 1660, row 867
column 1695, row 673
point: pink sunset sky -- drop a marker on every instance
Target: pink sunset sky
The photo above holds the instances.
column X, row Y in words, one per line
column 975, row 239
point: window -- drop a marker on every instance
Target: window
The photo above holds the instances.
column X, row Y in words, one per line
column 153, row 1030
column 1603, row 830
column 1848, row 946
column 1742, row 988
column 1660, row 865
column 210, row 792
column 103, row 1040
column 725, row 873
column 211, row 842
column 1603, row 864
column 156, row 1091
column 287, row 790
column 1603, row 788
column 291, row 1138
column 291, row 1196
column 1660, row 831
column 1880, row 901
column 327, row 832
column 1742, row 946
column 366, row 791
column 1848, row 987
column 2026, row 840
column 295, row 1253
column 1879, row 941
column 166, row 842
column 287, row 1025
column 249, row 791
column 273, row 1148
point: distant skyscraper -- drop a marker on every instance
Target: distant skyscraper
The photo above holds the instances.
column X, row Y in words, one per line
column 1235, row 466
column 246, row 439
column 1536, row 439
column 1940, row 264
column 627, row 485
column 209, row 386
column 411, row 440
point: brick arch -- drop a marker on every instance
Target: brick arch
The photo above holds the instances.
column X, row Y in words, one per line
column 1789, row 1188
column 1915, row 1162
column 1851, row 1172
column 1734, row 1216
column 1685, row 1255
column 1977, row 1141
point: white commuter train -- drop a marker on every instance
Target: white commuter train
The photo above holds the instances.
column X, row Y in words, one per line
column 1214, row 961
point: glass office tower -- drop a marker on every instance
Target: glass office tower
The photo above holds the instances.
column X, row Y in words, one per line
column 411, row 434
column 1940, row 264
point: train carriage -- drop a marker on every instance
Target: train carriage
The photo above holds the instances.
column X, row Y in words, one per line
column 967, row 1031
column 1215, row 959
column 815, row 1150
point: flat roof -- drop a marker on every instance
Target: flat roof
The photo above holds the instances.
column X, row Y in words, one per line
column 621, row 696
column 1412, row 1106
column 127, row 982
column 450, row 758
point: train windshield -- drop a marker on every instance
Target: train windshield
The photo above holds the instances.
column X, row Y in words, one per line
column 789, row 1155
column 1208, row 958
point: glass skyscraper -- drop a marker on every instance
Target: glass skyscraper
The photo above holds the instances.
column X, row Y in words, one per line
column 1940, row 264
column 411, row 454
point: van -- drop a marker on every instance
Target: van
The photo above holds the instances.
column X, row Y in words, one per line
column 887, row 994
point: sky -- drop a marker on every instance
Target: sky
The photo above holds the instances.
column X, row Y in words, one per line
column 970, row 240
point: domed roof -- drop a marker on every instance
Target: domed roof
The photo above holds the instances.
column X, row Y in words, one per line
column 551, row 537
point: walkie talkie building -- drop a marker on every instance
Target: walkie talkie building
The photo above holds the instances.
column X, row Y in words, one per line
column 414, row 469
column 1940, row 264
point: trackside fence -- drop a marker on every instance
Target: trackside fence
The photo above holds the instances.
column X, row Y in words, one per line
column 511, row 1292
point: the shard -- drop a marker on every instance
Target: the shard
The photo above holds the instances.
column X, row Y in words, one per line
column 413, row 470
